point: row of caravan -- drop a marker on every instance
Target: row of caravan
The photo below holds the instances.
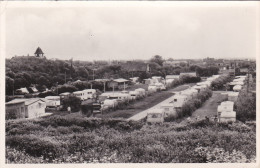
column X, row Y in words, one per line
column 175, row 103
column 111, row 100
column 237, row 84
column 55, row 101
column 225, row 110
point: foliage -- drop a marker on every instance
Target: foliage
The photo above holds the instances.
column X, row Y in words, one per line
column 219, row 83
column 190, row 106
column 157, row 59
column 73, row 102
column 189, row 79
column 79, row 140
column 245, row 106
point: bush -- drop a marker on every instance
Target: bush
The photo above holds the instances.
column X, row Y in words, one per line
column 190, row 79
column 245, row 107
column 35, row 146
column 219, row 83
column 73, row 102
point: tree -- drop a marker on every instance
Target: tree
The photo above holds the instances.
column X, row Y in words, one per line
column 73, row 102
column 157, row 59
column 9, row 85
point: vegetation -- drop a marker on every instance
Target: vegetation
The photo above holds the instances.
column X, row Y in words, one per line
column 57, row 139
column 190, row 106
column 220, row 82
column 245, row 106
column 45, row 73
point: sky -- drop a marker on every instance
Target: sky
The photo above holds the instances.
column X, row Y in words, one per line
column 134, row 32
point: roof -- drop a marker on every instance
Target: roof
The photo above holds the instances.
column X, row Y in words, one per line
column 65, row 94
column 24, row 90
column 167, row 105
column 52, row 97
column 233, row 94
column 120, row 80
column 156, row 111
column 227, row 103
column 38, row 51
column 237, row 87
column 89, row 90
column 188, row 73
column 25, row 101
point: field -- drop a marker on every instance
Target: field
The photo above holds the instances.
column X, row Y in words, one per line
column 63, row 139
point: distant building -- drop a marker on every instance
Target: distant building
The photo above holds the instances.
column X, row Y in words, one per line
column 25, row 108
column 118, row 83
column 194, row 74
column 175, row 63
column 39, row 53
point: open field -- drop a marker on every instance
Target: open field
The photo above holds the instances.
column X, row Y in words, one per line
column 66, row 139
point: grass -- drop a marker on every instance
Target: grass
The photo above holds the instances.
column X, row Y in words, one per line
column 63, row 139
column 209, row 108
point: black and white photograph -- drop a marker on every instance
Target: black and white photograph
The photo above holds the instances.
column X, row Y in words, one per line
column 129, row 82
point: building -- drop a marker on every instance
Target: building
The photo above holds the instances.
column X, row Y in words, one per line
column 118, row 83
column 85, row 94
column 22, row 91
column 232, row 96
column 227, row 116
column 175, row 63
column 169, row 109
column 39, row 53
column 172, row 77
column 25, row 108
column 193, row 74
column 52, row 101
column 155, row 116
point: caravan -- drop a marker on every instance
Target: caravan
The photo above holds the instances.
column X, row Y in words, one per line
column 85, row 94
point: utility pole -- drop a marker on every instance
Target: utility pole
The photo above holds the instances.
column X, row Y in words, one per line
column 104, row 86
column 93, row 74
column 13, row 87
column 65, row 77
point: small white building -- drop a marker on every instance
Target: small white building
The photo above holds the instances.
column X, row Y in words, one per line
column 140, row 92
column 169, row 109
column 227, row 116
column 237, row 88
column 52, row 101
column 232, row 96
column 152, row 88
column 85, row 94
column 226, row 106
column 172, row 77
column 26, row 108
column 178, row 100
column 22, row 91
column 160, row 86
column 155, row 116
column 134, row 79
column 194, row 74
column 191, row 92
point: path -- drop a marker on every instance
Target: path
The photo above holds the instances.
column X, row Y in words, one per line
column 209, row 108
